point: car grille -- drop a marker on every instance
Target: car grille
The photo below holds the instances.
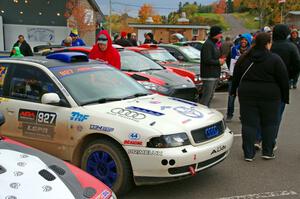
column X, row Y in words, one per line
column 184, row 169
column 185, row 93
column 201, row 135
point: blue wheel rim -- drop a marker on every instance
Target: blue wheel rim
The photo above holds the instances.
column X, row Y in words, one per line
column 101, row 165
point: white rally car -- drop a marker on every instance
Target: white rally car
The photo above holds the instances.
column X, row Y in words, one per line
column 100, row 119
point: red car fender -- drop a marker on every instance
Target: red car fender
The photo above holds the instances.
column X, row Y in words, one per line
column 181, row 72
column 90, row 182
column 151, row 78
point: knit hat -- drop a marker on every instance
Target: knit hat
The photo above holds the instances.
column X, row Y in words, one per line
column 294, row 30
column 102, row 39
column 214, row 31
column 123, row 34
column 267, row 29
column 74, row 32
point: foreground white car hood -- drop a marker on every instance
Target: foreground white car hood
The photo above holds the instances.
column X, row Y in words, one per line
column 164, row 114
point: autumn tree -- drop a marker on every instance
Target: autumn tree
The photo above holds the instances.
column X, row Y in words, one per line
column 80, row 17
column 190, row 10
column 220, row 8
column 147, row 11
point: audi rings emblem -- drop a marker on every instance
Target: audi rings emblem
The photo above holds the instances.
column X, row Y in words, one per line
column 189, row 112
column 128, row 113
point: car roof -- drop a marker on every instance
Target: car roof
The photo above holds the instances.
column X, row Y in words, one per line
column 50, row 62
column 169, row 45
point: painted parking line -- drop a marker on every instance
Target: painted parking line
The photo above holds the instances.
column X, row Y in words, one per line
column 237, row 135
column 264, row 195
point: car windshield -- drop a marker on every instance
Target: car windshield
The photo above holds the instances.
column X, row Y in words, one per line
column 160, row 55
column 191, row 52
column 97, row 84
column 132, row 61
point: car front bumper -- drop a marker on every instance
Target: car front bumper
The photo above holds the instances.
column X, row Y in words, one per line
column 153, row 165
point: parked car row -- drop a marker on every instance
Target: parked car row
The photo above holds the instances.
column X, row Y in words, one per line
column 105, row 122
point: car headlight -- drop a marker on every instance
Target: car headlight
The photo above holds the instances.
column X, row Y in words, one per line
column 197, row 78
column 154, row 87
column 168, row 141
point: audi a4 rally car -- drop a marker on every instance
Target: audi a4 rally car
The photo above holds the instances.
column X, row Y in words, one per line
column 28, row 173
column 102, row 120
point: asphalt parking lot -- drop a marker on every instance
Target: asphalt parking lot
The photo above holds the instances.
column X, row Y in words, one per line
column 236, row 179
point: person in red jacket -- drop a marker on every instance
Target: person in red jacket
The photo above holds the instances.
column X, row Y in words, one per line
column 103, row 50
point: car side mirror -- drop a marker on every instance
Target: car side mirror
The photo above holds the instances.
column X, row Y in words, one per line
column 2, row 119
column 180, row 58
column 50, row 98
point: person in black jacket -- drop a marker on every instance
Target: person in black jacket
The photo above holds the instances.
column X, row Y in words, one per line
column 149, row 39
column 24, row 46
column 296, row 40
column 210, row 65
column 123, row 41
column 262, row 81
column 286, row 50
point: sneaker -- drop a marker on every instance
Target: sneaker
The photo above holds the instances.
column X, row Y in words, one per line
column 249, row 159
column 257, row 146
column 275, row 147
column 268, row 157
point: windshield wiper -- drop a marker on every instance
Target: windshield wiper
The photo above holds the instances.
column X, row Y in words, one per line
column 102, row 101
column 130, row 70
column 136, row 95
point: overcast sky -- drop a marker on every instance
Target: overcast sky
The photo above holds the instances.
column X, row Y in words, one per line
column 163, row 7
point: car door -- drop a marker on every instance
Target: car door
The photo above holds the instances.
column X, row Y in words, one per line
column 42, row 126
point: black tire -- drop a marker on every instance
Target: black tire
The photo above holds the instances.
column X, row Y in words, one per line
column 124, row 179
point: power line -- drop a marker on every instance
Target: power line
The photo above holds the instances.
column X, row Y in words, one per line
column 138, row 6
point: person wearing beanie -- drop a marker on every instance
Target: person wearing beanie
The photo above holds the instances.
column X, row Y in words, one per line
column 123, row 41
column 286, row 50
column 211, row 63
column 294, row 38
column 289, row 54
column 104, row 51
column 149, row 39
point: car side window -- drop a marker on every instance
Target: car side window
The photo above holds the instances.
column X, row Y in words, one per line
column 30, row 83
column 3, row 72
column 176, row 54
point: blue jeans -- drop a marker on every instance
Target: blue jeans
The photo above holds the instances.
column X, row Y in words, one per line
column 208, row 88
column 231, row 99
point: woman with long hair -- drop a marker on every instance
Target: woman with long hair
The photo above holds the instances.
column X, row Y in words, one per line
column 261, row 81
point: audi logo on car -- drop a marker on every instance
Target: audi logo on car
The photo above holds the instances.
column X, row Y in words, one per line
column 128, row 113
column 189, row 112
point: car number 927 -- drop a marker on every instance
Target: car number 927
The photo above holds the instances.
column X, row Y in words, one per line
column 46, row 118
column 37, row 117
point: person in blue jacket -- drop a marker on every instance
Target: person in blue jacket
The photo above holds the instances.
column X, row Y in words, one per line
column 76, row 40
column 244, row 44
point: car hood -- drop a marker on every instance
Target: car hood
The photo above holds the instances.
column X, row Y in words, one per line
column 193, row 67
column 170, row 78
column 160, row 114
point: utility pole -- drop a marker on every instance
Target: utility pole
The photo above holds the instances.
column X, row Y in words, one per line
column 110, row 17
